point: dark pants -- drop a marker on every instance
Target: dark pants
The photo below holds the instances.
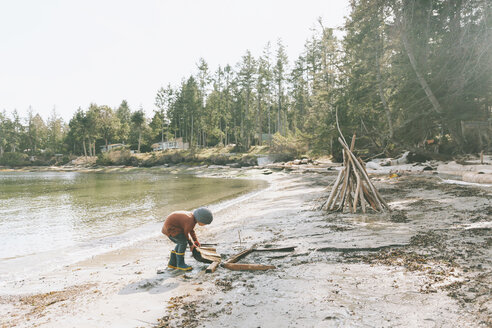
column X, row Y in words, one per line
column 181, row 242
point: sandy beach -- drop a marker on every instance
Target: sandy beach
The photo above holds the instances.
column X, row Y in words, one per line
column 426, row 264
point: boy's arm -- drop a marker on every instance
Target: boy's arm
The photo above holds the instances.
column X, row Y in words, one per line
column 193, row 236
column 193, row 242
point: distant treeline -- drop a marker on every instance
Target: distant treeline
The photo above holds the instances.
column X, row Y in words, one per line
column 405, row 72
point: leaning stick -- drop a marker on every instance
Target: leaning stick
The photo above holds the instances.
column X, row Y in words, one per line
column 347, row 194
column 339, row 191
column 375, row 190
column 352, row 144
column 345, row 182
column 333, row 191
column 370, row 199
column 357, row 191
column 362, row 200
column 361, row 168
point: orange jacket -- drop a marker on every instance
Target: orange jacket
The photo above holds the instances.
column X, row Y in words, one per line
column 180, row 222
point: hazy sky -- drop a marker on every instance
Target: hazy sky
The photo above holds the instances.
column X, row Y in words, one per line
column 67, row 54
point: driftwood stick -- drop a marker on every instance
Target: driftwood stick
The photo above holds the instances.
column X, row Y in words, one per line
column 247, row 267
column 334, row 189
column 357, row 188
column 352, row 144
column 345, row 182
column 339, row 192
column 240, row 255
column 357, row 191
column 375, row 190
column 353, row 206
column 277, row 249
column 364, row 173
column 369, row 198
column 362, row 200
column 338, row 126
column 212, row 267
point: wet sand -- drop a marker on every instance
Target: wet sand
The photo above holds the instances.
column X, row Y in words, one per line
column 427, row 264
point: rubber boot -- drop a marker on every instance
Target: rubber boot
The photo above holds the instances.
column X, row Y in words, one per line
column 172, row 261
column 181, row 265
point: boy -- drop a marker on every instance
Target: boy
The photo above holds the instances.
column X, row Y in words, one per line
column 179, row 226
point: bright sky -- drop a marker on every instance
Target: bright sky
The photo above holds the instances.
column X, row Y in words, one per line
column 67, row 54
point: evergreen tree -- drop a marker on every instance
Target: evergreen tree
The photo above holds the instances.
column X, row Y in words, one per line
column 109, row 124
column 138, row 121
column 279, row 77
column 124, row 115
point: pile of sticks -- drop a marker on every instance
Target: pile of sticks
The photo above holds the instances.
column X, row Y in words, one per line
column 353, row 187
column 232, row 264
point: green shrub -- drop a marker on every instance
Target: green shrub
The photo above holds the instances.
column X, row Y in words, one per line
column 14, row 159
column 117, row 157
column 218, row 160
column 290, row 146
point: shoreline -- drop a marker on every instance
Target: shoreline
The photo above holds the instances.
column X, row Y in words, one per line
column 425, row 282
column 125, row 239
column 72, row 281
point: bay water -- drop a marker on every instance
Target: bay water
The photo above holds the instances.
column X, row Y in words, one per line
column 50, row 219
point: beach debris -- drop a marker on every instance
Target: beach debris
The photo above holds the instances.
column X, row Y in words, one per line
column 206, row 254
column 232, row 265
column 240, row 255
column 247, row 266
column 353, row 187
column 212, row 267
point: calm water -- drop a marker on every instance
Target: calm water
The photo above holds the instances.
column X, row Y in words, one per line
column 56, row 218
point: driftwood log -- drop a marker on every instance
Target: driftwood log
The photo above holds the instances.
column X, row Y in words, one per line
column 247, row 266
column 212, row 267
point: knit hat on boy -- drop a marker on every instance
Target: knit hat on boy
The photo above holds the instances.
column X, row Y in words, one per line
column 203, row 215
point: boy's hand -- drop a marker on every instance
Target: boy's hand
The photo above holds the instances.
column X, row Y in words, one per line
column 194, row 245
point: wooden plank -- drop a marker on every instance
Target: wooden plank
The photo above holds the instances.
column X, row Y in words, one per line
column 247, row 267
column 279, row 249
column 239, row 256
column 205, row 255
column 212, row 267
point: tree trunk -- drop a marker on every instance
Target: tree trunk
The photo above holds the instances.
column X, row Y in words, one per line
column 90, row 147
column 259, row 121
column 139, row 138
column 85, row 150
column 269, row 128
column 383, row 99
column 430, row 95
column 191, row 134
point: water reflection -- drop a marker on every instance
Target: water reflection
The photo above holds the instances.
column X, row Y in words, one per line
column 46, row 211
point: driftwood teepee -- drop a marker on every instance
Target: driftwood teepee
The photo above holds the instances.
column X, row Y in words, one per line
column 353, row 187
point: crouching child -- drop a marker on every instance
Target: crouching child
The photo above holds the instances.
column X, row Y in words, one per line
column 179, row 227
